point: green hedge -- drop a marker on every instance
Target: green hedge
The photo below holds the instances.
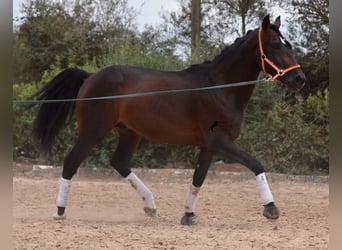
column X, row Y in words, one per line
column 288, row 136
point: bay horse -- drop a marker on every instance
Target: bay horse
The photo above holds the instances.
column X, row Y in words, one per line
column 210, row 120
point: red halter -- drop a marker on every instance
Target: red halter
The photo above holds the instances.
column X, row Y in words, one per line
column 280, row 72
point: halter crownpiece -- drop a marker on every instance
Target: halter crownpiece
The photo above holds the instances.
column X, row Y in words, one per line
column 280, row 72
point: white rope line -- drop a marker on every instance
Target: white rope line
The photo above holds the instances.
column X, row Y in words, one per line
column 153, row 93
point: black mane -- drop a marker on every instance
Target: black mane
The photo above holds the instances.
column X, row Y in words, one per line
column 229, row 50
column 226, row 50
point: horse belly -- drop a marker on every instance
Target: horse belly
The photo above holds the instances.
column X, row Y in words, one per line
column 168, row 134
column 164, row 128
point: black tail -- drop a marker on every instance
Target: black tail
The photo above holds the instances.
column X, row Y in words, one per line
column 52, row 116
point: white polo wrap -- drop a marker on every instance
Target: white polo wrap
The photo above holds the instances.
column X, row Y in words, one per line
column 141, row 189
column 190, row 199
column 265, row 192
column 63, row 193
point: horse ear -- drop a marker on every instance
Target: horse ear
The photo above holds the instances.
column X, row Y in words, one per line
column 277, row 22
column 266, row 23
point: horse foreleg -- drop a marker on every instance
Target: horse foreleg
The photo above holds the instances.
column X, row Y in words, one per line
column 201, row 170
column 62, row 198
column 221, row 144
column 127, row 145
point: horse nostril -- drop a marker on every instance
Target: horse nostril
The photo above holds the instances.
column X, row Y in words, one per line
column 299, row 79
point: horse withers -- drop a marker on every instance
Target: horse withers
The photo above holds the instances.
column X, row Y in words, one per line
column 210, row 120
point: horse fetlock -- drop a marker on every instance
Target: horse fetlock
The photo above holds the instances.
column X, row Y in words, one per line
column 151, row 212
column 150, row 209
column 189, row 219
column 271, row 211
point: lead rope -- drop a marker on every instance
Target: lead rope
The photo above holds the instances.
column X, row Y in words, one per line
column 153, row 93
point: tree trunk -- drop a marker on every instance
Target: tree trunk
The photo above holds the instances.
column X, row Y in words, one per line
column 195, row 29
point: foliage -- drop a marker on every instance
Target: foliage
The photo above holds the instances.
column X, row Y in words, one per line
column 310, row 33
column 221, row 22
column 287, row 138
column 22, row 120
column 313, row 18
column 62, row 30
column 143, row 51
column 243, row 12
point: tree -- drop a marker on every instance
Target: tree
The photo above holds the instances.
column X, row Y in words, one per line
column 239, row 12
column 68, row 32
column 195, row 28
column 312, row 35
column 218, row 21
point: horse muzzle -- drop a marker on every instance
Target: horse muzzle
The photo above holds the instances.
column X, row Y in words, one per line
column 296, row 83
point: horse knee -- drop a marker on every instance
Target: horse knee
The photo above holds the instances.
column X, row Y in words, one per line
column 252, row 164
column 202, row 166
column 225, row 147
column 256, row 168
column 199, row 174
column 68, row 173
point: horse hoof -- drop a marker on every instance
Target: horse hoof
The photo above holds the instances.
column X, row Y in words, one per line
column 59, row 217
column 189, row 219
column 271, row 211
column 151, row 212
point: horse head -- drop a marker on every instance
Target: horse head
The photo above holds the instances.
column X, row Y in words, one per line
column 276, row 56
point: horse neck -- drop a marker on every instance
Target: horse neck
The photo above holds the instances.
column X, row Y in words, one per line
column 238, row 62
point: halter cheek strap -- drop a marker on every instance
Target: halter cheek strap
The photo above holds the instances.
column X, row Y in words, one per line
column 280, row 72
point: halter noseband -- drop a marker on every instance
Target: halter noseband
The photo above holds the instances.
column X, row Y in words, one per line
column 280, row 72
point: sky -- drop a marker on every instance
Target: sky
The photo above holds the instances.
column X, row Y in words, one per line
column 149, row 13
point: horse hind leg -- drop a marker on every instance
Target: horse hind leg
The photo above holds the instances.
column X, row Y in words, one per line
column 72, row 161
column 86, row 140
column 120, row 161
